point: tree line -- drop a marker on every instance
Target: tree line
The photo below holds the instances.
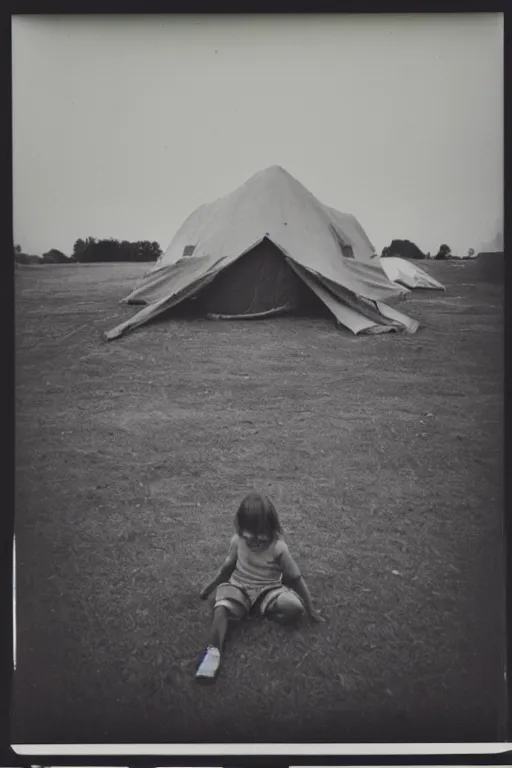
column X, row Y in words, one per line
column 95, row 250
column 406, row 249
column 92, row 250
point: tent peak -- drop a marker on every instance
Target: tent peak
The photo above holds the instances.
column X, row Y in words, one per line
column 274, row 170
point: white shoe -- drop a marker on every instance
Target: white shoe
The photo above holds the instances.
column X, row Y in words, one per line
column 209, row 666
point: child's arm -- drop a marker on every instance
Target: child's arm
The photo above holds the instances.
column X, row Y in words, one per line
column 224, row 572
column 293, row 577
column 301, row 588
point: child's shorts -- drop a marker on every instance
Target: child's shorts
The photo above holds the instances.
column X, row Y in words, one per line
column 247, row 599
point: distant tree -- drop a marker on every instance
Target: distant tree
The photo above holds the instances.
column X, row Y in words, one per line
column 54, row 256
column 471, row 253
column 126, row 251
column 83, row 249
column 146, row 251
column 17, row 249
column 78, row 248
column 81, row 246
column 405, row 249
column 156, row 250
column 105, row 250
column 444, row 252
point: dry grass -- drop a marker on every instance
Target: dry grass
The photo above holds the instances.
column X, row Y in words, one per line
column 383, row 455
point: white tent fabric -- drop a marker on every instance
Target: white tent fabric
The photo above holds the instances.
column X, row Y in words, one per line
column 408, row 274
column 325, row 247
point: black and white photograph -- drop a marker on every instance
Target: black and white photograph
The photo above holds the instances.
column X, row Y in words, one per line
column 259, row 361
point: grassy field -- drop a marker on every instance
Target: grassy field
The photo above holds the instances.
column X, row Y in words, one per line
column 383, row 455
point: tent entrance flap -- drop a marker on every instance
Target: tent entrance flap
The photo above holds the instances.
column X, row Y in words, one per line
column 356, row 313
column 259, row 283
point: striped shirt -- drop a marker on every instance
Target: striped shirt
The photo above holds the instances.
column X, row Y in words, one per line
column 261, row 569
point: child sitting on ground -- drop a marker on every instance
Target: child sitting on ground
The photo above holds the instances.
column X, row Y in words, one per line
column 251, row 579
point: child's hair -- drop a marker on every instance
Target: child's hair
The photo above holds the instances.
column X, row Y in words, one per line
column 257, row 514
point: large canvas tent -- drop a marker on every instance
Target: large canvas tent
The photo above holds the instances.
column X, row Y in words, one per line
column 266, row 248
column 409, row 275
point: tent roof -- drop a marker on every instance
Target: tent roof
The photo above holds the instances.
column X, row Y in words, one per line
column 274, row 205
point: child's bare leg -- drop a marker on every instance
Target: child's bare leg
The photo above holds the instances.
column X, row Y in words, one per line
column 208, row 668
column 219, row 627
column 287, row 608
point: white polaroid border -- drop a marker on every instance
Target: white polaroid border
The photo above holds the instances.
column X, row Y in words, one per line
column 208, row 750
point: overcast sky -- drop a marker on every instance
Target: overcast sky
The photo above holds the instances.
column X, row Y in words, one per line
column 123, row 125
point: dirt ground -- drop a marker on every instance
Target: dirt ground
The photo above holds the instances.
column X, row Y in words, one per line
column 383, row 455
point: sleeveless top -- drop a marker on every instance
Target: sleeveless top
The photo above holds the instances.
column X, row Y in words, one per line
column 261, row 569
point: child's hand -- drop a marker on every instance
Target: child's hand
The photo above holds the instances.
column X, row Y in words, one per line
column 315, row 616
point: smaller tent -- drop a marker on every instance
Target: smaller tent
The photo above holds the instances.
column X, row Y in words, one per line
column 404, row 273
